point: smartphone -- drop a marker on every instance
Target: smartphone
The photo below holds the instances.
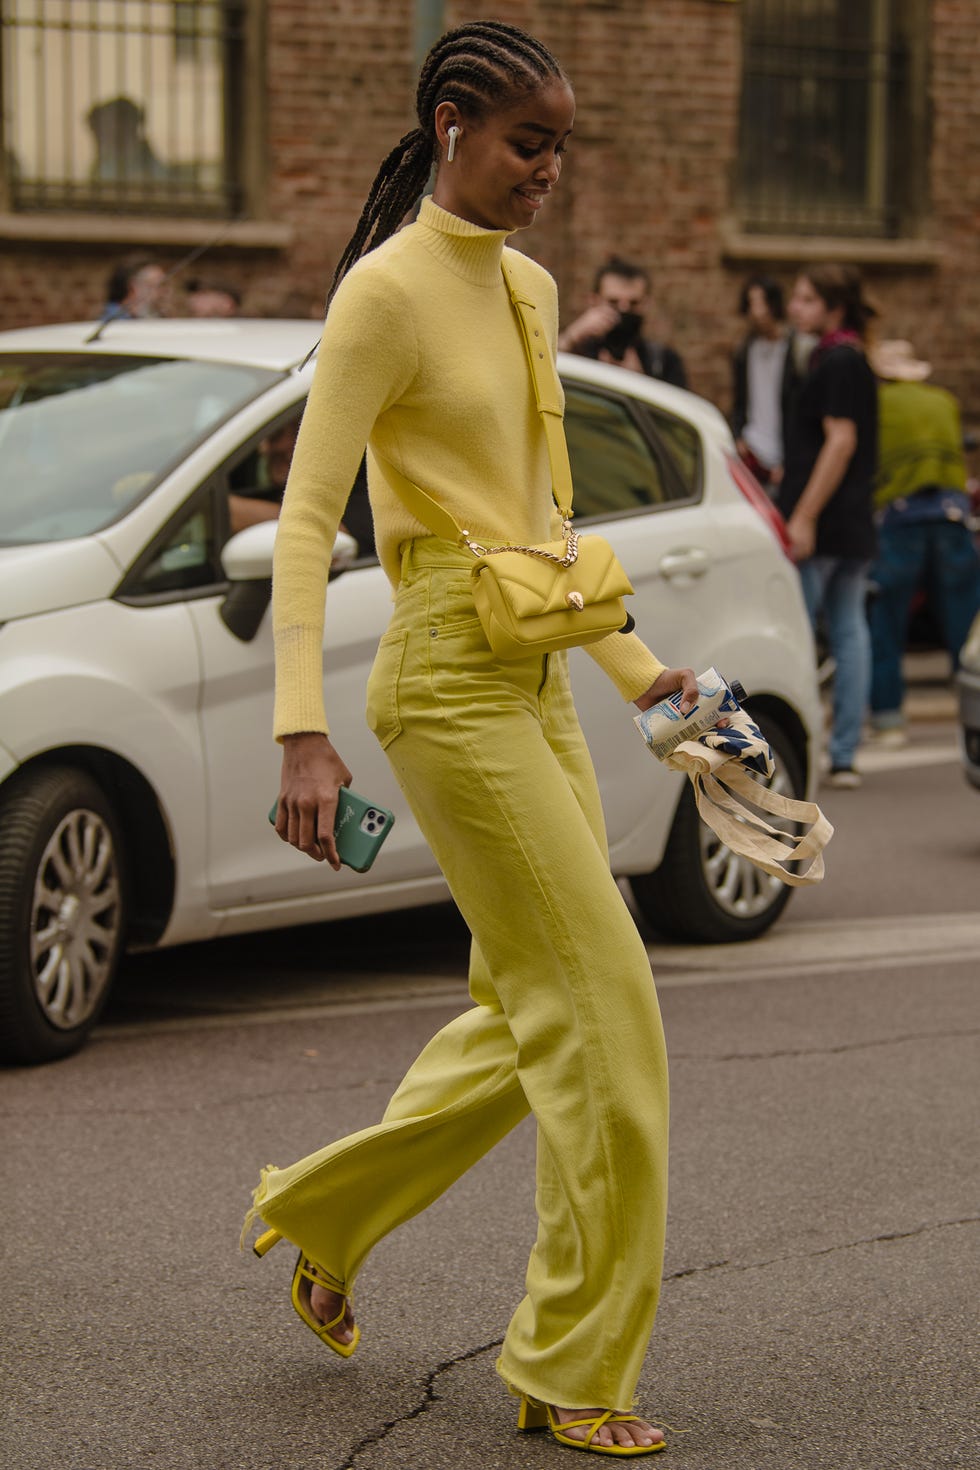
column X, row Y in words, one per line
column 359, row 830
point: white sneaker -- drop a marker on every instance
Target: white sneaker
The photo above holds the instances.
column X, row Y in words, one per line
column 844, row 778
column 892, row 737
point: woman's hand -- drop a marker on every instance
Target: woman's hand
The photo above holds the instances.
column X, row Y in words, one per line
column 668, row 683
column 312, row 775
column 802, row 533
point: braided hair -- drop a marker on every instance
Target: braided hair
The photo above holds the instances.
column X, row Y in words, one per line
column 477, row 66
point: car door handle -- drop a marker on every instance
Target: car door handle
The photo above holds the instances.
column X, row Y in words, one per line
column 692, row 561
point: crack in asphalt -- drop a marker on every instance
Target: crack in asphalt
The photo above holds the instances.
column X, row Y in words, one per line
column 820, row 1051
column 429, row 1397
column 177, row 1110
column 317, row 1088
column 827, row 1250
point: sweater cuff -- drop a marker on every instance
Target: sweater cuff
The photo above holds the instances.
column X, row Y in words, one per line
column 628, row 662
column 299, row 683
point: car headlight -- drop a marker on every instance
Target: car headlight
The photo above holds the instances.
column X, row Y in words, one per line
column 970, row 652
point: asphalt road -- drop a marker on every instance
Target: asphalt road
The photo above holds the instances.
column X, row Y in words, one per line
column 820, row 1284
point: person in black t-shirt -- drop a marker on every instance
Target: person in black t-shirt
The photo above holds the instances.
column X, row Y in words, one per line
column 827, row 489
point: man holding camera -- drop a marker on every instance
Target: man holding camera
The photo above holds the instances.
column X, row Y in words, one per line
column 611, row 327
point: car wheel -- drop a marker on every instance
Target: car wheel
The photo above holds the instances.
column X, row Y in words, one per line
column 704, row 892
column 62, row 912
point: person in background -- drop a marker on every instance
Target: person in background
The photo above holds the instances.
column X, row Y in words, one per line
column 137, row 288
column 611, row 327
column 298, row 305
column 209, row 296
column 827, row 487
column 924, row 537
column 258, row 485
column 768, row 368
column 267, row 472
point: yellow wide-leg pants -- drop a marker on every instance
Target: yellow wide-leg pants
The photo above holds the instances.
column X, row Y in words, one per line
column 565, row 1020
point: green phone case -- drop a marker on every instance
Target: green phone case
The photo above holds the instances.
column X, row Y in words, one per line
column 359, row 829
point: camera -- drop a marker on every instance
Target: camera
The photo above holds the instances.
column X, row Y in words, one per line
column 626, row 333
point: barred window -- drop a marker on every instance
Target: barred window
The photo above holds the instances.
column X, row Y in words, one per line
column 132, row 106
column 833, row 116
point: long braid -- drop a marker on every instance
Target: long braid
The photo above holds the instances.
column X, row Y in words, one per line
column 476, row 66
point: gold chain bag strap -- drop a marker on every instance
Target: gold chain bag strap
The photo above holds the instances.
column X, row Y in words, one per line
column 535, row 599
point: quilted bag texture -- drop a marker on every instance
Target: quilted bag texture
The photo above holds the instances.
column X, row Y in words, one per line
column 526, row 603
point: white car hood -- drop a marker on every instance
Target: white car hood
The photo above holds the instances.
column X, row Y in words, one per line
column 51, row 575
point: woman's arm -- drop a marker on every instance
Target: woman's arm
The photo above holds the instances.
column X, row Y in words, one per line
column 366, row 360
column 840, row 442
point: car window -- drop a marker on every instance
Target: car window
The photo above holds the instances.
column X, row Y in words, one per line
column 681, row 441
column 186, row 560
column 616, row 467
column 257, row 480
column 83, row 436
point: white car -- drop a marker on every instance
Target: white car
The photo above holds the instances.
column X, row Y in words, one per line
column 968, row 690
column 137, row 766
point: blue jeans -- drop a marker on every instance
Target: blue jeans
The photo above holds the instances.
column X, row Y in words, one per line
column 836, row 586
column 940, row 556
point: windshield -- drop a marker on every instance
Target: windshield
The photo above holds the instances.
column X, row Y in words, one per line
column 84, row 436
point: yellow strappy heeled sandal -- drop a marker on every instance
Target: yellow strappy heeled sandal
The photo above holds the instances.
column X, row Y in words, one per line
column 534, row 1415
column 307, row 1275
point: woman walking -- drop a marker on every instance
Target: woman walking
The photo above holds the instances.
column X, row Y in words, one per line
column 422, row 359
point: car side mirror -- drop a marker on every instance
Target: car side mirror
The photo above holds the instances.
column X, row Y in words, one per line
column 247, row 563
column 247, row 556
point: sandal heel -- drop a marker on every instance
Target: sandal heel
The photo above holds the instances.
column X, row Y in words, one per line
column 531, row 1415
column 265, row 1242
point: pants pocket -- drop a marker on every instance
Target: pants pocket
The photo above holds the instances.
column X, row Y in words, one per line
column 454, row 606
column 382, row 687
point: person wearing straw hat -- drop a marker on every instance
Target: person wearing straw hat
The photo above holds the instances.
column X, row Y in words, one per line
column 924, row 537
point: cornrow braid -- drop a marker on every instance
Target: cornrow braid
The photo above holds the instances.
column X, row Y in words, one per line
column 476, row 66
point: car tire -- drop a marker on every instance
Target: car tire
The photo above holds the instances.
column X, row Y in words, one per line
column 702, row 891
column 62, row 911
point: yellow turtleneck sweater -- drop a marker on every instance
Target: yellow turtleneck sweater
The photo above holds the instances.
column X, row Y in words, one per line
column 421, row 359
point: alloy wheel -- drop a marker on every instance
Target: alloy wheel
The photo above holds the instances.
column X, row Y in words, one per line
column 75, row 919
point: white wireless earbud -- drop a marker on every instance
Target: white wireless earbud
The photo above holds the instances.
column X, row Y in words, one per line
column 454, row 133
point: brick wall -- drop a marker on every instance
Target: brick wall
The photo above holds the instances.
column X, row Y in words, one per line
column 648, row 173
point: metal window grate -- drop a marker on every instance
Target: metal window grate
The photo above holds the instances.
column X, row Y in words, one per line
column 821, row 116
column 130, row 106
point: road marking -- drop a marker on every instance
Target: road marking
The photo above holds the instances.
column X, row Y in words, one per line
column 453, row 993
column 936, row 753
column 789, row 952
column 822, row 946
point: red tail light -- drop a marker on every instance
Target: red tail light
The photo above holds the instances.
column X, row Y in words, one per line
column 759, row 500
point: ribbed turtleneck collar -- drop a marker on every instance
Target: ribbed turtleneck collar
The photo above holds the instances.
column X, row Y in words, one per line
column 467, row 249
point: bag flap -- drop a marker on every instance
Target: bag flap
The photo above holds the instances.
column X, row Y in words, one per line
column 533, row 587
